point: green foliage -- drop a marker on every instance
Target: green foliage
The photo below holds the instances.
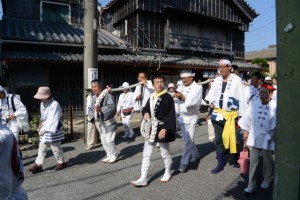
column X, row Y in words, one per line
column 263, row 63
column 34, row 124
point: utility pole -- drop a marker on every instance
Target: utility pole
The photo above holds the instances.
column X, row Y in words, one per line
column 90, row 48
column 287, row 157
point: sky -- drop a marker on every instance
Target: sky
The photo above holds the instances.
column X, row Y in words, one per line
column 262, row 31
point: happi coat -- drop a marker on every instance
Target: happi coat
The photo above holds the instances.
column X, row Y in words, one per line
column 260, row 121
column 188, row 110
column 233, row 98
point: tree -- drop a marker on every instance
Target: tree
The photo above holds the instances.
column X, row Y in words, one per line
column 263, row 63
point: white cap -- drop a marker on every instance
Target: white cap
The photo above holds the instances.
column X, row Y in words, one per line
column 224, row 62
column 171, row 85
column 186, row 73
column 125, row 84
column 268, row 78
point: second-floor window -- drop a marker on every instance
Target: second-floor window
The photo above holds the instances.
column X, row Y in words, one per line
column 55, row 12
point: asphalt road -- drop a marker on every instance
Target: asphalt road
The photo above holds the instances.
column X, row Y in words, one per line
column 87, row 178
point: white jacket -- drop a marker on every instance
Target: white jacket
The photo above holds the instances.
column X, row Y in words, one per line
column 188, row 110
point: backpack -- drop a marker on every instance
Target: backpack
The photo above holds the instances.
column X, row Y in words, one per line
column 22, row 123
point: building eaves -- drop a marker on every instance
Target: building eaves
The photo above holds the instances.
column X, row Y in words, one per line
column 50, row 33
column 127, row 59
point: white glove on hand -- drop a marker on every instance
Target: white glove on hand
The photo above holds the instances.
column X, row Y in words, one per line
column 41, row 132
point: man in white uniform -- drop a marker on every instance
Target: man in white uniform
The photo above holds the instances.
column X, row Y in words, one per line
column 125, row 110
column 142, row 92
column 259, row 123
column 251, row 92
column 12, row 110
column 227, row 99
column 190, row 97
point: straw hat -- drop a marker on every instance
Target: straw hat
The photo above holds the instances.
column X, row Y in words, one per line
column 125, row 84
column 43, row 93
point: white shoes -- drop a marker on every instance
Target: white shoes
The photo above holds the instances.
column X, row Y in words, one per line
column 182, row 168
column 124, row 136
column 141, row 182
column 112, row 159
column 105, row 160
column 265, row 185
column 131, row 134
column 167, row 176
column 250, row 190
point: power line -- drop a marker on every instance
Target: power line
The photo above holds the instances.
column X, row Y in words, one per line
column 263, row 26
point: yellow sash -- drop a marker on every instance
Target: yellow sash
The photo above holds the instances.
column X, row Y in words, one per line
column 228, row 135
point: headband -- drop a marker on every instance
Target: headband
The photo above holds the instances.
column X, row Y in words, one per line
column 224, row 62
column 269, row 87
column 186, row 74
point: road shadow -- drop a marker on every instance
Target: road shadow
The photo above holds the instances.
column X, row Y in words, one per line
column 235, row 190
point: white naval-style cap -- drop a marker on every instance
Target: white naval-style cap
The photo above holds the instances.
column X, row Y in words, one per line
column 224, row 62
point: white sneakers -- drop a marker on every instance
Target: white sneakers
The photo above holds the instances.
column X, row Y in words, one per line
column 250, row 190
column 110, row 159
column 128, row 135
column 265, row 185
column 105, row 160
column 141, row 182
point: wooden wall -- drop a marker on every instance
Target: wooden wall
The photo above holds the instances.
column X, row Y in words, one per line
column 30, row 9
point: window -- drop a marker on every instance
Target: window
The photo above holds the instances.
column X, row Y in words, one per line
column 55, row 12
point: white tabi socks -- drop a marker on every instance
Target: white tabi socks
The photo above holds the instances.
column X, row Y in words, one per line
column 167, row 175
column 141, row 182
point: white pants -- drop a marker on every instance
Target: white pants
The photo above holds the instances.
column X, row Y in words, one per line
column 147, row 152
column 126, row 120
column 92, row 134
column 107, row 140
column 189, row 149
column 267, row 165
column 56, row 149
column 15, row 130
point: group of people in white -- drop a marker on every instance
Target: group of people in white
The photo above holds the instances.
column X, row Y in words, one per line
column 164, row 112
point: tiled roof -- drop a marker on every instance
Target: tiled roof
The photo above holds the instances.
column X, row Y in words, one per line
column 269, row 53
column 186, row 61
column 35, row 31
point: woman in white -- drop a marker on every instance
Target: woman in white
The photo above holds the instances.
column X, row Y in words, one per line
column 125, row 110
column 50, row 130
column 259, row 124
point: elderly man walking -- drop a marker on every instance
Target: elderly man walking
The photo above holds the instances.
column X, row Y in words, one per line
column 189, row 95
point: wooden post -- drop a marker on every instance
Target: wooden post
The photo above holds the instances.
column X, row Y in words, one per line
column 287, row 162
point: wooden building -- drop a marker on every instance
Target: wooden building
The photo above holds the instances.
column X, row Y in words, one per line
column 192, row 33
column 41, row 42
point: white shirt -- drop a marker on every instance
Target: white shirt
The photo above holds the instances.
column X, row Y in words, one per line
column 260, row 121
column 251, row 94
column 146, row 93
column 188, row 110
column 90, row 106
column 125, row 101
column 7, row 109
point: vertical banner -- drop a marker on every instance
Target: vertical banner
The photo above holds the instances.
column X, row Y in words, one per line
column 92, row 74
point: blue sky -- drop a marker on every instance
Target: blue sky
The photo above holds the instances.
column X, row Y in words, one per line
column 262, row 31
